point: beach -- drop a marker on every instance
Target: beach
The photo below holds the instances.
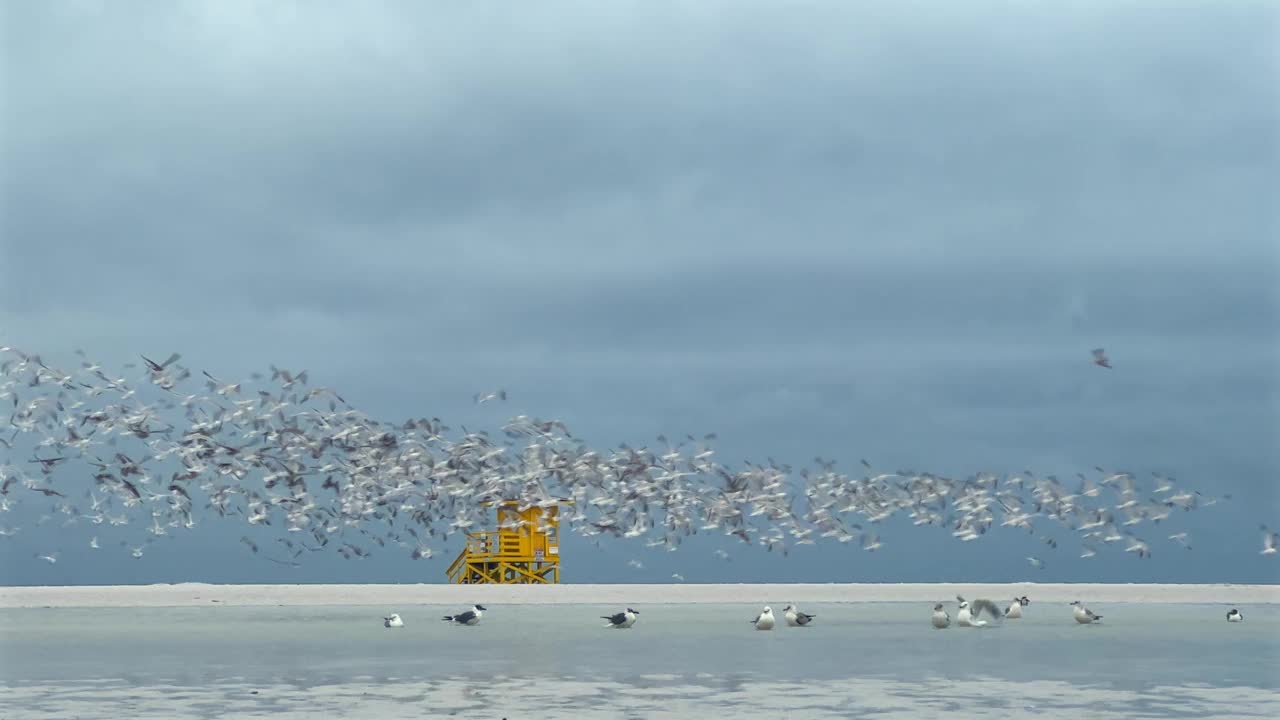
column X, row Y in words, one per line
column 199, row 594
column 194, row 650
column 684, row 658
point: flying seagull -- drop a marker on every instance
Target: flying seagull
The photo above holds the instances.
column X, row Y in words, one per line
column 481, row 398
column 1100, row 358
column 970, row 614
column 1270, row 541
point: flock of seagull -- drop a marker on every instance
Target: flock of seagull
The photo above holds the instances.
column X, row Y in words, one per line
column 160, row 448
column 968, row 614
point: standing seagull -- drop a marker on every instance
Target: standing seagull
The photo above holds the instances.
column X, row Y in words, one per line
column 940, row 617
column 622, row 620
column 1100, row 358
column 1082, row 614
column 795, row 618
column 470, row 617
column 392, row 621
column 1234, row 616
column 764, row 621
column 1014, row 611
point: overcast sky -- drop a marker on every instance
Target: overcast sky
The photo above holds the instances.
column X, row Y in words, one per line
column 847, row 229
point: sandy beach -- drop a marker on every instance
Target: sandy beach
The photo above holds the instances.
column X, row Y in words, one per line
column 200, row 594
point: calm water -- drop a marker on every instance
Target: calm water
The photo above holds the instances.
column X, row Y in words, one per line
column 858, row 660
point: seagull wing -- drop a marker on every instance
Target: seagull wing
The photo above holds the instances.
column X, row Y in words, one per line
column 616, row 618
column 981, row 604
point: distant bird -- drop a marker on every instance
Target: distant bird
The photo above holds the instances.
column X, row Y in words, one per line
column 470, row 617
column 1082, row 614
column 1270, row 541
column 392, row 621
column 677, row 577
column 1036, row 562
column 50, row 558
column 622, row 620
column 1234, row 616
column 940, row 618
column 1100, row 358
column 970, row 615
column 764, row 621
column 795, row 618
column 486, row 397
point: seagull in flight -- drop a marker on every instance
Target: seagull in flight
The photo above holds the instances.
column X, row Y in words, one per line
column 1100, row 358
column 1270, row 541
column 970, row 615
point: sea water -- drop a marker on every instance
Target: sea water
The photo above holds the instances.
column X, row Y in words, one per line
column 880, row 660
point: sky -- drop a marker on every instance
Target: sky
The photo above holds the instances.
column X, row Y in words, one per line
column 839, row 229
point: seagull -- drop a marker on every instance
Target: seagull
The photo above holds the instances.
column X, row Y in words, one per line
column 1014, row 611
column 480, row 399
column 764, row 621
column 392, row 621
column 1234, row 616
column 470, row 617
column 1100, row 358
column 795, row 618
column 1270, row 541
column 940, row 617
column 1036, row 562
column 622, row 620
column 1082, row 614
column 970, row 616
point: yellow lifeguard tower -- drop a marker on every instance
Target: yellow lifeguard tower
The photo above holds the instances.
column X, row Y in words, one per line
column 525, row 549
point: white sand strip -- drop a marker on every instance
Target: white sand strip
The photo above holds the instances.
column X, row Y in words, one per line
column 200, row 594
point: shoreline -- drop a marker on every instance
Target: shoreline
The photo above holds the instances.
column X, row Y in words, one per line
column 210, row 595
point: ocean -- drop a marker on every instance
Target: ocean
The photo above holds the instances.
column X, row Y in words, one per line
column 858, row 660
